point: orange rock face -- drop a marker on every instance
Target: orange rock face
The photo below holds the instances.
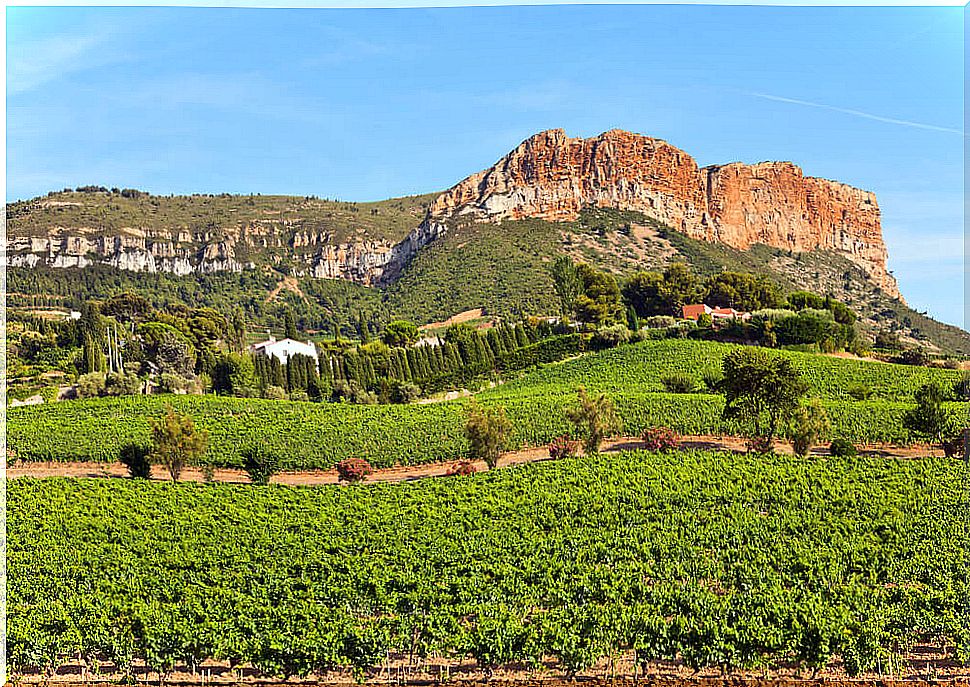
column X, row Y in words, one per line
column 552, row 176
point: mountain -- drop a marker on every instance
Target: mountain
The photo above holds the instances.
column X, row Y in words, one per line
column 553, row 177
column 619, row 200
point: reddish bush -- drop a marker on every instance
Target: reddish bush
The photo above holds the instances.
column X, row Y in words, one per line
column 660, row 439
column 462, row 467
column 353, row 470
column 563, row 447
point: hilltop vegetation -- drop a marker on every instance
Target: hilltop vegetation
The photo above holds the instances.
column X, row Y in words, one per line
column 110, row 211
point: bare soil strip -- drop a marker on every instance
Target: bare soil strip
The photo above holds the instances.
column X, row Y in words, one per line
column 407, row 473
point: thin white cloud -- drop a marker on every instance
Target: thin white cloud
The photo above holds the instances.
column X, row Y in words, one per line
column 35, row 62
column 857, row 113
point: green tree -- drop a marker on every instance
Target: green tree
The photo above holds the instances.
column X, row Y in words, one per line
column 930, row 418
column 566, row 281
column 487, row 431
column 643, row 292
column 741, row 291
column 289, row 325
column 808, row 425
column 594, row 417
column 176, row 443
column 599, row 301
column 260, row 464
column 400, row 333
column 234, row 373
column 760, row 389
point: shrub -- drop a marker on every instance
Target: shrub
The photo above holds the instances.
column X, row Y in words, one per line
column 953, row 447
column 808, row 424
column 353, row 470
column 679, row 383
column 705, row 321
column 260, row 464
column 713, row 379
column 405, row 392
column 90, row 385
column 912, row 356
column 961, row 389
column 930, row 418
column 135, row 458
column 487, row 430
column 461, row 469
column 594, row 417
column 842, row 447
column 171, row 383
column 120, row 384
column 176, row 442
column 660, row 321
column 563, row 447
column 659, row 439
column 275, row 393
column 611, row 336
column 860, row 392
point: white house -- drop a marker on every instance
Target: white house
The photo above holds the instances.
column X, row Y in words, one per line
column 284, row 349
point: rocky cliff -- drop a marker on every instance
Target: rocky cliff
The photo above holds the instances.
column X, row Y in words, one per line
column 306, row 252
column 552, row 176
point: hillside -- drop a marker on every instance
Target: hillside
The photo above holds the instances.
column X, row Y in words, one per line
column 620, row 201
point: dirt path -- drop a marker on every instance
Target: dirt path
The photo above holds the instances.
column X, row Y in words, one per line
column 407, row 473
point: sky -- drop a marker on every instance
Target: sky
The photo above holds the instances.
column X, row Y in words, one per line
column 364, row 104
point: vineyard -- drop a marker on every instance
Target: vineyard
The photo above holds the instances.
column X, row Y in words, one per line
column 317, row 435
column 701, row 558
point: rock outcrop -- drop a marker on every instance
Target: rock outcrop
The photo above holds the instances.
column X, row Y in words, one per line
column 307, row 253
column 553, row 177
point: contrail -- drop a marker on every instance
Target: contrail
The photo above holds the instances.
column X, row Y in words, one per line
column 858, row 113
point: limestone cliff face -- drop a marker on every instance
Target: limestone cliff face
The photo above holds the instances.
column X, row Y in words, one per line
column 552, row 176
column 310, row 253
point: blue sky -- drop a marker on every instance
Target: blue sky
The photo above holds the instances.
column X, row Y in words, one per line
column 369, row 104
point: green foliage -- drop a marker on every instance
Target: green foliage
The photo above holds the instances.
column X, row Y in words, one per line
column 567, row 283
column 842, row 447
column 593, row 417
column 136, row 459
column 400, row 333
column 930, row 418
column 260, row 464
column 176, row 443
column 809, row 423
column 679, row 383
column 766, row 563
column 487, row 431
column 761, row 389
column 599, row 299
column 235, row 374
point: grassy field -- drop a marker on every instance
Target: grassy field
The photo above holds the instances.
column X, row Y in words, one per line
column 311, row 435
column 713, row 559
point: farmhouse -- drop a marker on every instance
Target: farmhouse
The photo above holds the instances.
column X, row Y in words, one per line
column 284, row 349
column 692, row 312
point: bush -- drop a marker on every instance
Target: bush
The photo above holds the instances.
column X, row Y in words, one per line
column 135, row 458
column 611, row 336
column 275, row 393
column 953, row 447
column 90, row 385
column 353, row 470
column 260, row 464
column 679, row 383
column 487, row 430
column 713, row 379
column 808, row 424
column 405, row 392
column 170, row 383
column 860, row 392
column 176, row 442
column 461, row 469
column 120, row 384
column 912, row 356
column 930, row 418
column 659, row 439
column 563, row 447
column 593, row 418
column 842, row 447
column 961, row 389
